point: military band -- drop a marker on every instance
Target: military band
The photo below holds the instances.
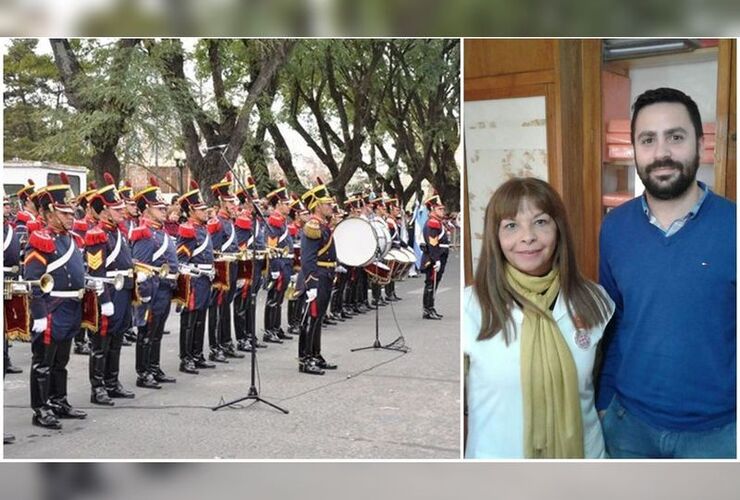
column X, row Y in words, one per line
column 114, row 269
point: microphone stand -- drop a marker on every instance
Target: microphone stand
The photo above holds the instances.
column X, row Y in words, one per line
column 393, row 346
column 253, row 393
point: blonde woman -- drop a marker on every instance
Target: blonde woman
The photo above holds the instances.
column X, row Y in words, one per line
column 531, row 326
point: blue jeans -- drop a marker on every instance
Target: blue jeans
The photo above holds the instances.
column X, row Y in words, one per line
column 626, row 436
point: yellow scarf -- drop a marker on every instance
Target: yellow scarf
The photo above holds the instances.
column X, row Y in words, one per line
column 553, row 426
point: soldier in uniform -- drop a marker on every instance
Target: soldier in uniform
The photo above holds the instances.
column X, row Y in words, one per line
column 27, row 218
column 340, row 279
column 127, row 225
column 393, row 212
column 243, row 312
column 280, row 245
column 299, row 216
column 318, row 261
column 258, row 246
column 195, row 256
column 108, row 256
column 223, row 236
column 436, row 247
column 131, row 215
column 56, row 315
column 379, row 214
column 11, row 270
column 80, row 228
column 152, row 247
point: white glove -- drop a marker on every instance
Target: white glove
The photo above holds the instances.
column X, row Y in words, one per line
column 240, row 283
column 107, row 309
column 141, row 277
column 39, row 325
column 341, row 269
column 311, row 294
column 275, row 275
column 437, row 266
column 146, row 299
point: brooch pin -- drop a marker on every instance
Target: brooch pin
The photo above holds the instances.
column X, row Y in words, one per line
column 583, row 339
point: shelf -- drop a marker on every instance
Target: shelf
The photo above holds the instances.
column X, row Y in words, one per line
column 611, row 200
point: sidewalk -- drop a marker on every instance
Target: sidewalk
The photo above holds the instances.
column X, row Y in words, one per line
column 378, row 405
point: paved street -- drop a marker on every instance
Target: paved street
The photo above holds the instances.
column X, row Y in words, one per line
column 379, row 404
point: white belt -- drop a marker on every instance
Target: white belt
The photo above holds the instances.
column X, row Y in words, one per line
column 9, row 270
column 204, row 267
column 69, row 294
column 289, row 256
column 128, row 273
column 444, row 245
column 171, row 276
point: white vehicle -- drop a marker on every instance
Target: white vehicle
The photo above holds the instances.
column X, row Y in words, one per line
column 17, row 172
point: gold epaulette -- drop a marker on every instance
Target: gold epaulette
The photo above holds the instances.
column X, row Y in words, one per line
column 312, row 229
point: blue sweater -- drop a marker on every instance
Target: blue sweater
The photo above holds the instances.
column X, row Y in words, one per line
column 670, row 350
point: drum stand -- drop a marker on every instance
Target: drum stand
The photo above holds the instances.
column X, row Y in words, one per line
column 396, row 345
column 253, row 393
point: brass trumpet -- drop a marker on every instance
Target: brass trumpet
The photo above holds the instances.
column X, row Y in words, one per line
column 148, row 270
column 24, row 287
column 233, row 256
column 96, row 283
column 195, row 271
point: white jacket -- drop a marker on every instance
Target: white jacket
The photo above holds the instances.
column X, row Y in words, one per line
column 493, row 385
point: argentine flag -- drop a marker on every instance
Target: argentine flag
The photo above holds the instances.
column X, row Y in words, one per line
column 420, row 220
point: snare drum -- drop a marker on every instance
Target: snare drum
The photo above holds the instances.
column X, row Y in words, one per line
column 379, row 273
column 395, row 260
column 409, row 259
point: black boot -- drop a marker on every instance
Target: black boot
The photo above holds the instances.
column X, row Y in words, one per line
column 62, row 409
column 309, row 366
column 147, row 381
column 217, row 355
column 100, row 396
column 44, row 417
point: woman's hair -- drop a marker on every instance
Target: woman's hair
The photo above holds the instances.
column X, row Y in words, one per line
column 495, row 296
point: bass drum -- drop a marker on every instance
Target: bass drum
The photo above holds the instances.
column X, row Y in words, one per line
column 355, row 242
column 384, row 237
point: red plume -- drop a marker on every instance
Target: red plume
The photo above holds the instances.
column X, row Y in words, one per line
column 319, row 181
column 250, row 180
column 92, row 185
column 228, row 177
column 281, row 182
column 30, row 182
column 64, row 177
column 194, row 184
column 128, row 184
column 153, row 181
column 109, row 178
column 294, row 196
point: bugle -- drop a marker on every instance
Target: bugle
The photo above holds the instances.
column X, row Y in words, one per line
column 24, row 287
column 149, row 270
column 96, row 283
column 196, row 271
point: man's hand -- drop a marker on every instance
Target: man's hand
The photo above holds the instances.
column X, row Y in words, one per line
column 107, row 309
column 311, row 294
column 39, row 325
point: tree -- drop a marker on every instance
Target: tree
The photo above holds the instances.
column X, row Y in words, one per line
column 101, row 94
column 33, row 105
column 421, row 113
column 229, row 124
column 333, row 83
